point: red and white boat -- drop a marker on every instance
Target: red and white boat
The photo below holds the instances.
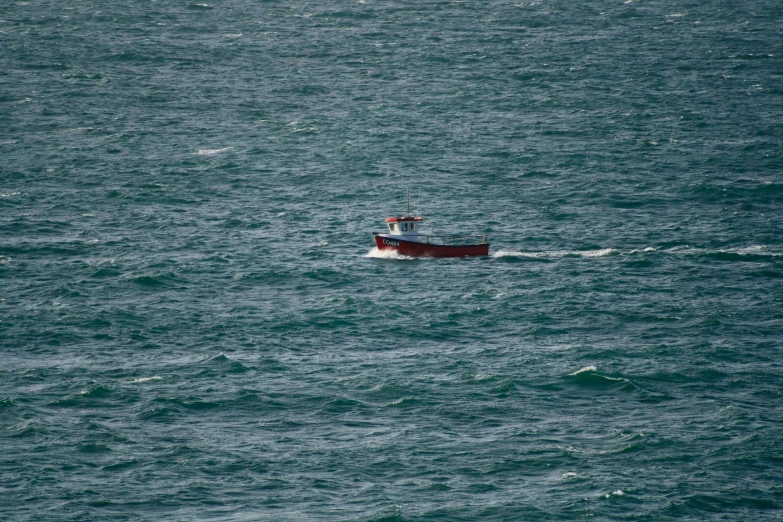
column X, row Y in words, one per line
column 405, row 238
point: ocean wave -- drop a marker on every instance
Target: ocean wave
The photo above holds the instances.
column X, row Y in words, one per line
column 590, row 368
column 590, row 377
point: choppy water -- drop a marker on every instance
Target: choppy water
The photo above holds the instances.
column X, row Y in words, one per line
column 194, row 325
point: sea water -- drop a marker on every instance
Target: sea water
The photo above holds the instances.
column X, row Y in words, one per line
column 194, row 324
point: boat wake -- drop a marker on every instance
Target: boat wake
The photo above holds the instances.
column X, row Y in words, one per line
column 606, row 252
column 387, row 254
column 752, row 253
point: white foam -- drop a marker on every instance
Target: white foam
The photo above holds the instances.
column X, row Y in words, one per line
column 203, row 152
column 647, row 250
column 590, row 368
column 139, row 380
column 599, row 253
column 4, row 260
column 755, row 249
column 376, row 253
column 568, row 474
column 615, row 493
column 509, row 253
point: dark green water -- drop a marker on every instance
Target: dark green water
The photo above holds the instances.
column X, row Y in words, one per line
column 194, row 325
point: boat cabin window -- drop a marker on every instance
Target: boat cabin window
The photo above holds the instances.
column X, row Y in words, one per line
column 405, row 227
column 413, row 227
column 392, row 227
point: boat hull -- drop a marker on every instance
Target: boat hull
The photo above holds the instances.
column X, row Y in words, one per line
column 416, row 249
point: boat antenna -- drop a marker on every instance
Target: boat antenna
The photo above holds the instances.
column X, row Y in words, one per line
column 408, row 212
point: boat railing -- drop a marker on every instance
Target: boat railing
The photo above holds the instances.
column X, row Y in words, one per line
column 442, row 239
column 445, row 239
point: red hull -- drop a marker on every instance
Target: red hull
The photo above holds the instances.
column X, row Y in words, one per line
column 414, row 249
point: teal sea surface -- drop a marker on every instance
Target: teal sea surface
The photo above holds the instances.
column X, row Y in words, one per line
column 195, row 324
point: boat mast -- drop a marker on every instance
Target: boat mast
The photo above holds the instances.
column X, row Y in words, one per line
column 408, row 212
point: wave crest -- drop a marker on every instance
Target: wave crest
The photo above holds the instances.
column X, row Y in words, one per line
column 590, row 368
